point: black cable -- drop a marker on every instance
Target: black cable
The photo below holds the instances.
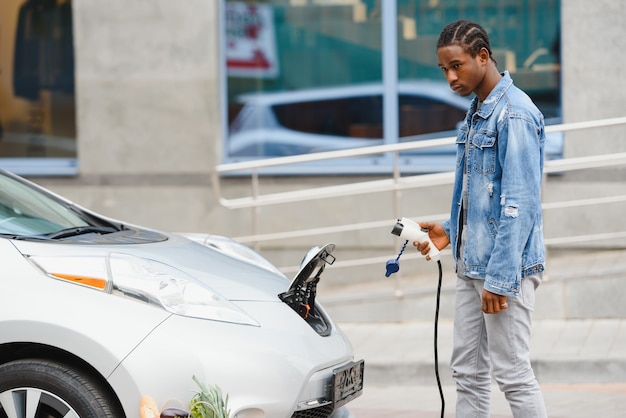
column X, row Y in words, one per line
column 393, row 266
column 443, row 402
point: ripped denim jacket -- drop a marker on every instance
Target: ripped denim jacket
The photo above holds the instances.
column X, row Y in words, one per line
column 505, row 162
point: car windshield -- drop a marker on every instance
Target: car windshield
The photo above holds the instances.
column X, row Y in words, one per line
column 25, row 211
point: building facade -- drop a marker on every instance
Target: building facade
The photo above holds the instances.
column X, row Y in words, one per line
column 155, row 88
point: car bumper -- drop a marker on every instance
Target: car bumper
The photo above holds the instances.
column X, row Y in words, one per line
column 279, row 367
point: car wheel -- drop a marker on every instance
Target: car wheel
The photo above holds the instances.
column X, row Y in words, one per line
column 46, row 389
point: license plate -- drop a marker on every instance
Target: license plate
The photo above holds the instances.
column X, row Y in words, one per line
column 347, row 383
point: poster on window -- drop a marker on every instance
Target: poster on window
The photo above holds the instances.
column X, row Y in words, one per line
column 250, row 41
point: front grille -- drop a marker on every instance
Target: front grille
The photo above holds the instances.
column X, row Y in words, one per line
column 323, row 411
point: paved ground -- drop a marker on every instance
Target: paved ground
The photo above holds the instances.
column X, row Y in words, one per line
column 606, row 400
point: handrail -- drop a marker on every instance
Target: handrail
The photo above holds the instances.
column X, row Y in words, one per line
column 438, row 217
column 380, row 260
column 408, row 182
column 350, row 189
column 328, row 155
column 397, row 182
column 381, row 149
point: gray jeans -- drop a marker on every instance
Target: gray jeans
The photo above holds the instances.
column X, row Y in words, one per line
column 498, row 345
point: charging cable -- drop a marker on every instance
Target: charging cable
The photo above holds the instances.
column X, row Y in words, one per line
column 443, row 401
column 393, row 266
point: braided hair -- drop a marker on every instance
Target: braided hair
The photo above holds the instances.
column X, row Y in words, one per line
column 468, row 35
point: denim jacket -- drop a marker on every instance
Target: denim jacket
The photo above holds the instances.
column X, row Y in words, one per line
column 505, row 141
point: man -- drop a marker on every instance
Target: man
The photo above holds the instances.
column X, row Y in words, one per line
column 495, row 228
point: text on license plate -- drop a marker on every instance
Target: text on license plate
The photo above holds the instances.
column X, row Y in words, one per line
column 347, row 383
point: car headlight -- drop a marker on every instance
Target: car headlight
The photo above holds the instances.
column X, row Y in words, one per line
column 146, row 280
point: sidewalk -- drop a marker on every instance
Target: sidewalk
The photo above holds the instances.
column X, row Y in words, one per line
column 423, row 401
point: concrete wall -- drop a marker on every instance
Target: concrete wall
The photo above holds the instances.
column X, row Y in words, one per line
column 147, row 82
column 593, row 68
column 592, row 74
column 592, row 36
column 149, row 126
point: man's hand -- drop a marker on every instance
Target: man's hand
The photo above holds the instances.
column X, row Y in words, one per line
column 437, row 235
column 493, row 303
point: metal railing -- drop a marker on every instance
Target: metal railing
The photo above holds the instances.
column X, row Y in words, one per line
column 396, row 183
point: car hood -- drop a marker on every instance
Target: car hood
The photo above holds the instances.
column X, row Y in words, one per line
column 229, row 268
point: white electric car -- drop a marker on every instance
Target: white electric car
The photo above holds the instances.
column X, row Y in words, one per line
column 95, row 314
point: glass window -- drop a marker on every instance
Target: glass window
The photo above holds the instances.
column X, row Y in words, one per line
column 307, row 75
column 37, row 101
column 26, row 211
column 524, row 35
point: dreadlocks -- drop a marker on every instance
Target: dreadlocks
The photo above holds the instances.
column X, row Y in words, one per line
column 468, row 35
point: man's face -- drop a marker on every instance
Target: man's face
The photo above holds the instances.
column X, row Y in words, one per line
column 463, row 72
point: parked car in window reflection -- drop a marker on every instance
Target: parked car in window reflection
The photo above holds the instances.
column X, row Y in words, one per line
column 280, row 124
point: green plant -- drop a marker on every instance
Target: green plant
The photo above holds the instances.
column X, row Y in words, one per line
column 209, row 402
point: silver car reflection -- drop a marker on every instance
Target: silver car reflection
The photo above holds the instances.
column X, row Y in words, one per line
column 277, row 124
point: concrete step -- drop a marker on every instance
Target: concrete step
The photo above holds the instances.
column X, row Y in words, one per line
column 562, row 351
column 577, row 285
column 579, row 331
